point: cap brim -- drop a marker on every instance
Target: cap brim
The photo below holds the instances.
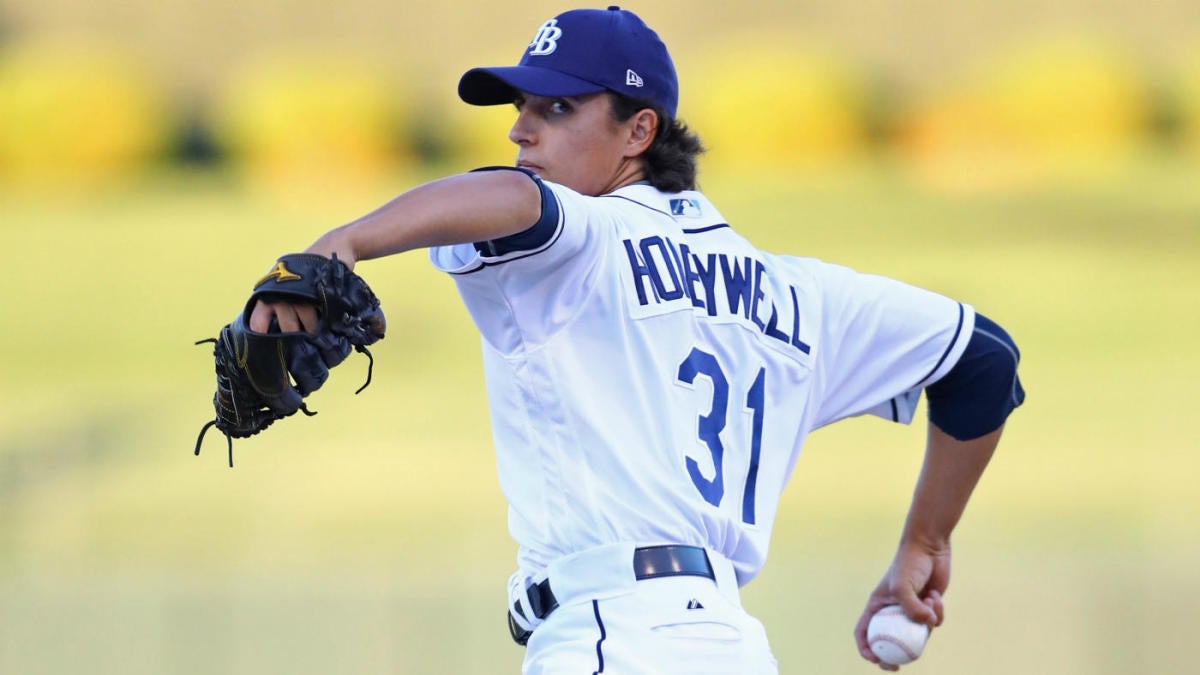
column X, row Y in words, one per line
column 499, row 85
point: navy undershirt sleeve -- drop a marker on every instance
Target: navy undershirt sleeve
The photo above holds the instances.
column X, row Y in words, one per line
column 534, row 236
column 978, row 394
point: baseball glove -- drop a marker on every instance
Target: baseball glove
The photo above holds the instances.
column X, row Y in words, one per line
column 263, row 377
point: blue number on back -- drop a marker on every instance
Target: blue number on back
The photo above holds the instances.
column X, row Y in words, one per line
column 710, row 426
column 754, row 401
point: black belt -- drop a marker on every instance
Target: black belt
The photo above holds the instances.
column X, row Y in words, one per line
column 649, row 562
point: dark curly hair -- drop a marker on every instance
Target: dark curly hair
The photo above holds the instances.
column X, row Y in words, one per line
column 670, row 161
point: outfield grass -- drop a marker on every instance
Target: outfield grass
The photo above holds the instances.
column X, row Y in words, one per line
column 371, row 538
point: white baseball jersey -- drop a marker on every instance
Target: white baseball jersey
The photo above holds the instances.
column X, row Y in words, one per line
column 652, row 375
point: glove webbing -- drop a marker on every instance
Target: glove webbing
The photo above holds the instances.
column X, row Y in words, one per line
column 303, row 408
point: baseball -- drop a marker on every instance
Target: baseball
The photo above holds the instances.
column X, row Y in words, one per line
column 895, row 638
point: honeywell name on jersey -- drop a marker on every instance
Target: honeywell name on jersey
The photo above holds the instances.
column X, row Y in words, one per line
column 669, row 277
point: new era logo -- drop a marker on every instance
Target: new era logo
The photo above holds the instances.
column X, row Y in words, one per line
column 694, row 604
column 632, row 79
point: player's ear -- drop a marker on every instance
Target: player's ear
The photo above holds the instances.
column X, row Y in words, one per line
column 643, row 127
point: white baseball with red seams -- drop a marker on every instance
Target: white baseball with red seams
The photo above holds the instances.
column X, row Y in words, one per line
column 895, row 638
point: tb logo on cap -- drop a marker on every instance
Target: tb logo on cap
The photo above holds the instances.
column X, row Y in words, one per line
column 546, row 40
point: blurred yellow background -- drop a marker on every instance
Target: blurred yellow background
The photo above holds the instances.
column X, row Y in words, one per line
column 1040, row 163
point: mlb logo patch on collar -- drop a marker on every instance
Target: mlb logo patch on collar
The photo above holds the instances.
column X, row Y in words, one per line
column 685, row 208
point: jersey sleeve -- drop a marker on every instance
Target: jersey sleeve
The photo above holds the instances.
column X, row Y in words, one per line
column 537, row 240
column 521, row 289
column 882, row 341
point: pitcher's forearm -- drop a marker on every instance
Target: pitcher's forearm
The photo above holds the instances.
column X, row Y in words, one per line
column 951, row 470
column 459, row 209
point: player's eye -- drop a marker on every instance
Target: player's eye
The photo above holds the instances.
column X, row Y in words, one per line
column 560, row 106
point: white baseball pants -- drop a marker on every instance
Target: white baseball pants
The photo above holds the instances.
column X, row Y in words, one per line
column 608, row 623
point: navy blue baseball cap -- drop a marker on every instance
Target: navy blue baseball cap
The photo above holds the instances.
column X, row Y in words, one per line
column 583, row 51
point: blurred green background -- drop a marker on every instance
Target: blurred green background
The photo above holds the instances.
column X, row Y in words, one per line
column 1038, row 162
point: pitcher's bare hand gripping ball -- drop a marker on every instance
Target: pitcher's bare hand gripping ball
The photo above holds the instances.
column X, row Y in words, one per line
column 895, row 638
column 262, row 377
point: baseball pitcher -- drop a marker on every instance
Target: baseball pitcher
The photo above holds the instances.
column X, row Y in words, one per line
column 652, row 375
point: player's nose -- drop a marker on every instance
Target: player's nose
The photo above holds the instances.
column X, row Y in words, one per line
column 523, row 131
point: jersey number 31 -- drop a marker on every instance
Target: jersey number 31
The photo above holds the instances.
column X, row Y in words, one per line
column 710, row 426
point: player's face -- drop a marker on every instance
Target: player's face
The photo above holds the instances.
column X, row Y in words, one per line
column 575, row 141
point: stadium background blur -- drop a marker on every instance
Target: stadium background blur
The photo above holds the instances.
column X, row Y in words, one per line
column 1040, row 162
